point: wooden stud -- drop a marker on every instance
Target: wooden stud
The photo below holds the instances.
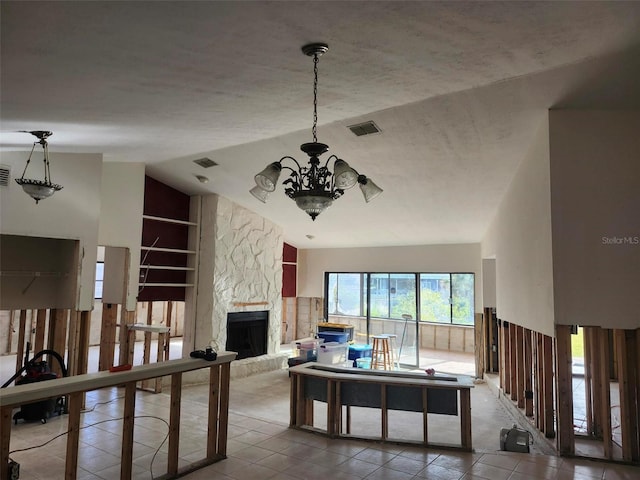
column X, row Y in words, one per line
column 174, row 423
column 214, row 399
column 513, row 361
column 21, row 341
column 587, row 339
column 425, row 417
column 520, row 370
column 41, row 328
column 465, row 419
column 605, row 392
column 384, row 412
column 72, row 355
column 480, row 344
column 108, row 335
column 73, row 432
column 126, row 459
column 566, row 440
column 58, row 319
column 625, row 341
column 548, row 405
column 592, row 338
column 12, row 315
column 146, row 355
column 224, row 409
column 168, row 320
column 528, row 385
column 507, row 358
column 5, row 440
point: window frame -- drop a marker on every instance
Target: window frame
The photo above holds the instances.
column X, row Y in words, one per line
column 365, row 296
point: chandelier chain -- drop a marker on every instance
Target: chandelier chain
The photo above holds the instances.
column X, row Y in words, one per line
column 314, row 129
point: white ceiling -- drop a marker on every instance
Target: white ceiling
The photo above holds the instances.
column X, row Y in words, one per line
column 458, row 90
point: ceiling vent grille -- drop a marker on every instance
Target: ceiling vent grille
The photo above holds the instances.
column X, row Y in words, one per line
column 5, row 173
column 205, row 162
column 366, row 128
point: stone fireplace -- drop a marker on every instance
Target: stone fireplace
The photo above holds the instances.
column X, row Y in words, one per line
column 239, row 273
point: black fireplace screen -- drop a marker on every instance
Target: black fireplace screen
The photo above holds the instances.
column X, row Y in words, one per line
column 247, row 333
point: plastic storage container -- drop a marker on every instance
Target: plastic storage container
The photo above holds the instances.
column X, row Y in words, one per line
column 359, row 350
column 333, row 353
column 337, row 327
column 337, row 337
column 307, row 348
column 363, row 362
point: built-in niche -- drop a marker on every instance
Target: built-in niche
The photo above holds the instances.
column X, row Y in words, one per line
column 38, row 272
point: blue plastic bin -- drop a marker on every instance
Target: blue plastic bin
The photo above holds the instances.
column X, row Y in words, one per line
column 338, row 337
column 358, row 351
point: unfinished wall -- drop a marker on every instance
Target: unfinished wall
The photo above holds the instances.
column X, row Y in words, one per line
column 519, row 238
column 595, row 195
column 72, row 213
column 122, row 199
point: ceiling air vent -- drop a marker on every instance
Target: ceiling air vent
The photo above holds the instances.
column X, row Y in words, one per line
column 5, row 173
column 205, row 162
column 366, row 128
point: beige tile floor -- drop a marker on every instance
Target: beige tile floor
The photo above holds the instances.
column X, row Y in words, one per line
column 261, row 446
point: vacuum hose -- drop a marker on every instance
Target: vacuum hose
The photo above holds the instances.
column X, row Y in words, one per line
column 31, row 363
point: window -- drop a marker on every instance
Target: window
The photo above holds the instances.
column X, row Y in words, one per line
column 430, row 297
column 99, row 280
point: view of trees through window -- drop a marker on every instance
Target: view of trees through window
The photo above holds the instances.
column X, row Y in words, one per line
column 430, row 297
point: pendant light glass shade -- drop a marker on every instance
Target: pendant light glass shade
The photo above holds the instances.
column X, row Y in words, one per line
column 268, row 177
column 314, row 205
column 369, row 189
column 259, row 193
column 39, row 189
column 343, row 175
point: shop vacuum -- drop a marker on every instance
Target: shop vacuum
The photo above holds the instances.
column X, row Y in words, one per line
column 515, row 440
column 38, row 371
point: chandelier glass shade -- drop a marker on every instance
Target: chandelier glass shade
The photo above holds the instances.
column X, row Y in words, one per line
column 314, row 186
column 39, row 189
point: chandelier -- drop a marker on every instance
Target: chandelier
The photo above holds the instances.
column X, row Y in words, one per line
column 39, row 189
column 313, row 187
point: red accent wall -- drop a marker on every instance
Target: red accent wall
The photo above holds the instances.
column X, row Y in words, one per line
column 161, row 200
column 289, row 270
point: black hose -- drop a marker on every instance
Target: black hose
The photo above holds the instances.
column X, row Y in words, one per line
column 31, row 363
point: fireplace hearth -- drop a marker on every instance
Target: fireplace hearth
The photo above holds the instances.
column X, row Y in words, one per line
column 247, row 333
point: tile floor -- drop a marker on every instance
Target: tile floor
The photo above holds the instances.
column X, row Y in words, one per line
column 261, row 446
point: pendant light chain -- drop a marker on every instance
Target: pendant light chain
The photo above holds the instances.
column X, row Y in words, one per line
column 314, row 129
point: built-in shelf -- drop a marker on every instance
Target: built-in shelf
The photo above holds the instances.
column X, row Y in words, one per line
column 166, row 267
column 169, row 220
column 169, row 250
column 166, row 285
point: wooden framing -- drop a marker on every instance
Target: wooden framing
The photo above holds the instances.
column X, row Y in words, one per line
column 566, row 438
column 41, row 328
column 513, row 361
column 547, row 380
column 21, row 340
column 506, row 357
column 605, row 392
column 108, row 335
column 57, row 338
column 76, row 387
column 520, row 371
column 626, row 352
column 528, row 362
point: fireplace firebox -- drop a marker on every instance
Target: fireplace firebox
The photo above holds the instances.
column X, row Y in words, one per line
column 247, row 333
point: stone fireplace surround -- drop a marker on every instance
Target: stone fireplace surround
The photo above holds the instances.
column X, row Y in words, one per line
column 239, row 270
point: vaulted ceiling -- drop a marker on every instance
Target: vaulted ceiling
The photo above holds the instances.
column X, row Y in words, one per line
column 458, row 90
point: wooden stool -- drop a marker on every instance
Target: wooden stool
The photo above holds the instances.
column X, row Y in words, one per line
column 395, row 359
column 381, row 357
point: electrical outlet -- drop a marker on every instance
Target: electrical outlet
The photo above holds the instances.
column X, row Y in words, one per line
column 14, row 470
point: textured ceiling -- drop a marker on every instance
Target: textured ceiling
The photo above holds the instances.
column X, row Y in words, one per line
column 458, row 90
